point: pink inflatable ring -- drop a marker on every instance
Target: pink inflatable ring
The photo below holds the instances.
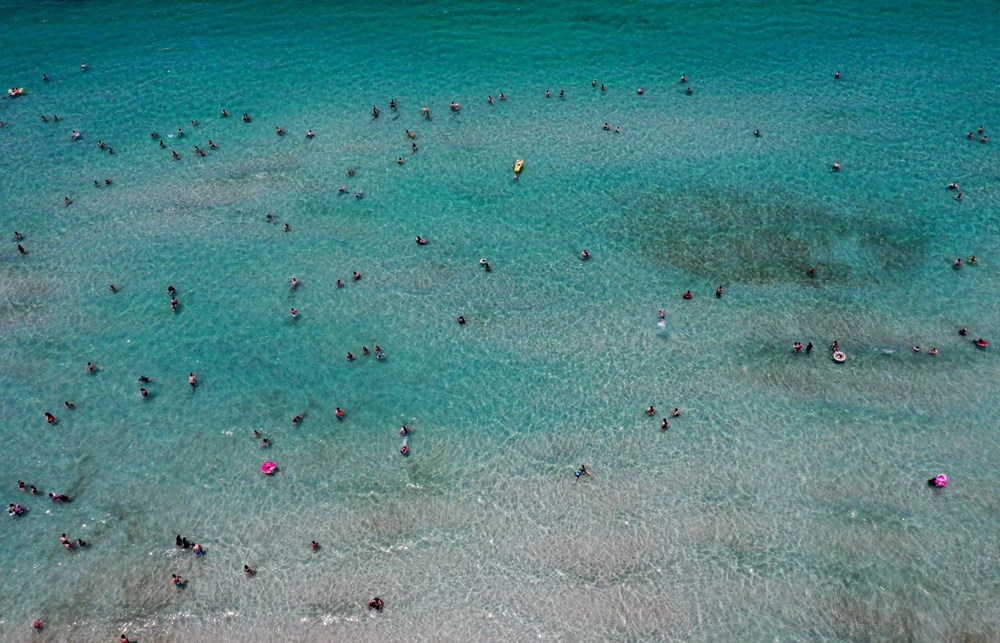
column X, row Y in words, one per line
column 268, row 468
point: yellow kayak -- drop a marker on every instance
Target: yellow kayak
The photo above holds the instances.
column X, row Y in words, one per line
column 518, row 164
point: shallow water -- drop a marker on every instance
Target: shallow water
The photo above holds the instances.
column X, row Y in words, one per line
column 788, row 500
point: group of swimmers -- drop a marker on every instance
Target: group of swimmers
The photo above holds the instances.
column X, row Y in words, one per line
column 664, row 423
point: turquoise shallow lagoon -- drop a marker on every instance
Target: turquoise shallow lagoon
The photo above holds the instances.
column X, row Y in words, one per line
column 787, row 502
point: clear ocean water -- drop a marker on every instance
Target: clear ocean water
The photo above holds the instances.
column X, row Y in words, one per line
column 787, row 502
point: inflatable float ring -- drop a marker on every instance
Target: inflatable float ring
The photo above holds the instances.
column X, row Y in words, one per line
column 268, row 468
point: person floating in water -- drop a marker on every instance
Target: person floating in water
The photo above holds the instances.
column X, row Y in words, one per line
column 581, row 471
column 376, row 604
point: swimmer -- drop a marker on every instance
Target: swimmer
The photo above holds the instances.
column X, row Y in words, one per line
column 287, row 228
column 107, row 181
column 18, row 236
column 83, row 66
column 314, row 545
column 364, row 350
column 112, row 288
column 111, row 150
column 123, row 639
column 33, row 489
column 20, row 485
column 171, row 290
column 675, row 413
column 688, row 294
column 67, row 201
column 548, row 94
column 81, row 542
column 376, row 604
column 162, row 144
column 341, row 189
column 973, row 261
column 718, row 292
column 350, row 171
column 932, row 351
column 45, row 78
column 958, row 197
column 280, row 131
column 176, row 580
column 249, row 572
column 49, row 418
column 180, row 133
column 756, row 133
column 21, row 249
column 143, row 392
column 310, row 134
column 193, row 379
column 809, row 347
column 194, row 122
column 174, row 154
column 836, row 166
column 293, row 312
column 37, row 624
column 618, row 130
column 392, row 104
column 298, row 418
column 503, row 96
column 96, row 184
column 811, row 272
column 91, row 367
column 688, row 91
column 461, row 320
column 413, row 148
column 339, row 413
column 246, row 117
column 684, row 78
column 584, row 255
column 836, row 74
column 421, row 241
column 45, row 119
column 173, row 304
column 350, row 356
column 256, row 434
column 269, row 218
column 455, row 106
column 957, row 264
column 265, row 442
column 400, row 161
column 582, row 470
column 650, row 410
column 603, row 88
column 74, row 135
column 357, row 275
column 916, row 348
column 340, row 283
column 211, row 144
column 489, row 99
column 374, row 111
column 198, row 551
column 199, row 151
column 662, row 315
column 664, row 424
column 224, row 113
column 607, row 127
column 359, row 195
column 834, row 346
column 405, row 430
column 797, row 346
column 562, row 94
column 295, row 284
column 639, row 91
column 953, row 186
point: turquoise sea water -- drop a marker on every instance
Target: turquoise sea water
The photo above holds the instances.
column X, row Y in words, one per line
column 787, row 502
